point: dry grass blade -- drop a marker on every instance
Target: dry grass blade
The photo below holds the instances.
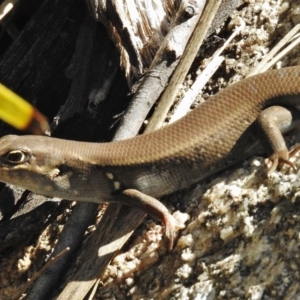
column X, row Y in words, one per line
column 202, row 79
column 188, row 57
column 290, row 41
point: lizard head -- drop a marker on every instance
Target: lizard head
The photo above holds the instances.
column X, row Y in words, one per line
column 31, row 163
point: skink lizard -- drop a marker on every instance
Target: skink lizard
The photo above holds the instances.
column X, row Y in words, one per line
column 137, row 171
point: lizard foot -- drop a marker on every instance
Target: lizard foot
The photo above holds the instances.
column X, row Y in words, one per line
column 171, row 229
column 281, row 158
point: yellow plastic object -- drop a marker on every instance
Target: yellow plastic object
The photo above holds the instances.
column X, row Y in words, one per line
column 14, row 110
column 20, row 114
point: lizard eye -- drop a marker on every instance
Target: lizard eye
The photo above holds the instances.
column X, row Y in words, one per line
column 16, row 156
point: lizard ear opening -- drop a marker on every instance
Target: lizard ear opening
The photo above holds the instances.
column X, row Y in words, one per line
column 16, row 157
